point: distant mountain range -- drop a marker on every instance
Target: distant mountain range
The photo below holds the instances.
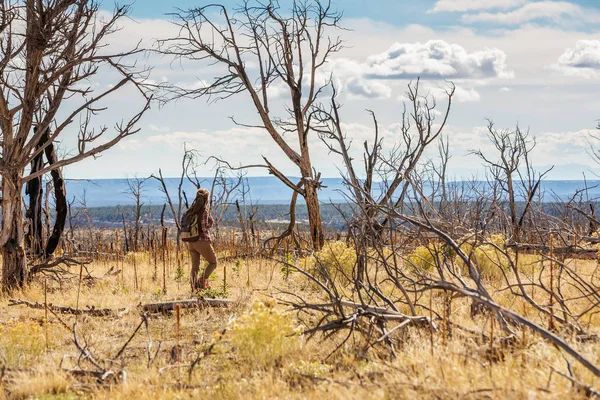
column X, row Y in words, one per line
column 262, row 190
column 566, row 172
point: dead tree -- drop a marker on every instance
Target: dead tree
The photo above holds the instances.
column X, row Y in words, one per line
column 288, row 47
column 514, row 173
column 135, row 189
column 50, row 49
column 33, row 188
column 418, row 132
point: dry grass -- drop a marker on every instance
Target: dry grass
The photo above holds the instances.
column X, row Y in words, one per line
column 254, row 349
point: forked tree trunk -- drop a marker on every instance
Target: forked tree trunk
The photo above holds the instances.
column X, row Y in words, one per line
column 34, row 239
column 14, row 262
column 60, row 197
column 314, row 217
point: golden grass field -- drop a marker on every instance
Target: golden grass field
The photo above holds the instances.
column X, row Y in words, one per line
column 256, row 348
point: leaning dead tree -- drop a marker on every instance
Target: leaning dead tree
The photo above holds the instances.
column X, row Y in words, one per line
column 288, row 48
column 50, row 51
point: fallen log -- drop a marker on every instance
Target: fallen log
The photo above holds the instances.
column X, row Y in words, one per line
column 189, row 303
column 108, row 312
column 89, row 310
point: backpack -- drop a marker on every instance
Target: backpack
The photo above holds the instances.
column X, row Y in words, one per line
column 190, row 223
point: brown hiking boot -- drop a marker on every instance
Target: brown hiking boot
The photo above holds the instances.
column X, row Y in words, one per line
column 199, row 285
column 202, row 284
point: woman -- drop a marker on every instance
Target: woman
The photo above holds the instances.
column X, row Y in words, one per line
column 203, row 246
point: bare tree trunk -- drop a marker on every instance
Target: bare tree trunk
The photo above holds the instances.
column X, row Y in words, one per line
column 47, row 213
column 60, row 198
column 314, row 217
column 34, row 190
column 243, row 225
column 127, row 242
column 14, row 262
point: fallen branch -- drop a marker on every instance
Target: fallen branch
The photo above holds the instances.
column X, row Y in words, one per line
column 108, row 312
column 89, row 310
column 102, row 374
column 190, row 303
column 143, row 322
column 589, row 391
column 51, row 266
column 546, row 334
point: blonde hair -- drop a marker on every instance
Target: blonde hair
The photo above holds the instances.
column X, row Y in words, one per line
column 202, row 192
column 200, row 201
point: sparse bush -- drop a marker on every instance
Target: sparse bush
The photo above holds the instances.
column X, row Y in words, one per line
column 491, row 257
column 21, row 340
column 237, row 268
column 336, row 258
column 490, row 260
column 263, row 335
column 179, row 273
column 214, row 293
column 286, row 270
column 424, row 258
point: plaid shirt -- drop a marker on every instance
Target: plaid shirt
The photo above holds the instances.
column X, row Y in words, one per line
column 206, row 223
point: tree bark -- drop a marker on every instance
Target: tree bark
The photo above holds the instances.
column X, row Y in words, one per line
column 14, row 261
column 314, row 216
column 60, row 196
column 34, row 190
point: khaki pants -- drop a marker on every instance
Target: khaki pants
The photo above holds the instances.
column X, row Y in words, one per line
column 205, row 250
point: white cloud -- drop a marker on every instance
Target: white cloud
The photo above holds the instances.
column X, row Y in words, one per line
column 505, row 89
column 440, row 93
column 555, row 11
column 369, row 89
column 582, row 60
column 436, row 59
column 552, row 148
column 560, row 148
column 158, row 128
column 547, row 101
column 468, row 5
column 463, row 95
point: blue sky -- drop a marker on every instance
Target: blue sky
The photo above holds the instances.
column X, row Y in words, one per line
column 532, row 63
column 390, row 11
column 395, row 12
